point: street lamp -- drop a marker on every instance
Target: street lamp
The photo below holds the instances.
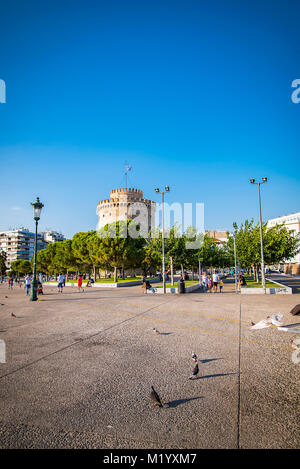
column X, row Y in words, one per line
column 235, row 264
column 167, row 189
column 37, row 208
column 264, row 179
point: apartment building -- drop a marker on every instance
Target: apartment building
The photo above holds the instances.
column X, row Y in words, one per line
column 52, row 236
column 292, row 222
column 18, row 244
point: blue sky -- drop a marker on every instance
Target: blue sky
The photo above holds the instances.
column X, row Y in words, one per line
column 194, row 94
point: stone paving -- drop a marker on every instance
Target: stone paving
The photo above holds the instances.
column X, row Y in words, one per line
column 79, row 369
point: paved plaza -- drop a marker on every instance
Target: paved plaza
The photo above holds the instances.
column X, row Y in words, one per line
column 79, row 369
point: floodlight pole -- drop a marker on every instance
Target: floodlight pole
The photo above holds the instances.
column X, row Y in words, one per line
column 261, row 243
column 167, row 189
column 264, row 179
column 235, row 265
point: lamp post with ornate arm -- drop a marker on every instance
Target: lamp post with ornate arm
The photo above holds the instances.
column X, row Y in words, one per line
column 37, row 208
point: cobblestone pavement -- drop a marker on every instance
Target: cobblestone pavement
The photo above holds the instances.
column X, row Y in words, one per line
column 79, row 369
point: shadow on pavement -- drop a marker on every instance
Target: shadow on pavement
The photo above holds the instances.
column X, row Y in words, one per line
column 173, row 404
column 210, row 360
column 216, row 376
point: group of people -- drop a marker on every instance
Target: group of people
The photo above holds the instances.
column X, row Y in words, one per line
column 62, row 283
column 211, row 284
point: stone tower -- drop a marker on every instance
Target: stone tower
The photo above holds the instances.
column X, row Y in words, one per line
column 127, row 204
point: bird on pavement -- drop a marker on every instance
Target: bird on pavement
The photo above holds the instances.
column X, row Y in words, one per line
column 155, row 398
column 13, row 315
column 194, row 357
column 295, row 344
column 156, row 331
column 195, row 372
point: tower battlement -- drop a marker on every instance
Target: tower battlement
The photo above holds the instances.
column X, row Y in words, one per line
column 125, row 203
column 125, row 190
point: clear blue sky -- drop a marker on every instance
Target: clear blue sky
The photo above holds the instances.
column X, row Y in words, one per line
column 195, row 94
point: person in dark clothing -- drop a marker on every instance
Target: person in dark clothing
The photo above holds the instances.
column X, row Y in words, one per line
column 242, row 281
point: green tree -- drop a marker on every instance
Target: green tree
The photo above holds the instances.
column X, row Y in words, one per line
column 81, row 251
column 64, row 259
column 45, row 260
column 118, row 250
column 279, row 245
column 2, row 263
column 21, row 266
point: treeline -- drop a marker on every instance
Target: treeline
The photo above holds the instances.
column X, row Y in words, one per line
column 280, row 245
column 112, row 249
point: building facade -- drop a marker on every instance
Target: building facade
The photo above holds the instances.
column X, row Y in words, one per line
column 127, row 204
column 18, row 244
column 52, row 236
column 292, row 222
column 220, row 237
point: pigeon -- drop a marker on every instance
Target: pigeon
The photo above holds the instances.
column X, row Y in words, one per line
column 6, row 297
column 295, row 344
column 194, row 357
column 195, row 372
column 13, row 315
column 155, row 398
column 156, row 331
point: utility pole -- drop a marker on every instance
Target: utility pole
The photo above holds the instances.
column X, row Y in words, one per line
column 235, row 264
column 167, row 189
column 264, row 179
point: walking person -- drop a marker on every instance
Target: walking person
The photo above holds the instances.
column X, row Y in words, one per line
column 27, row 284
column 209, row 283
column 204, row 282
column 221, row 285
column 60, row 285
column 80, row 284
column 215, row 281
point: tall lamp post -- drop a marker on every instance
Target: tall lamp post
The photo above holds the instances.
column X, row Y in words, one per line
column 261, row 233
column 37, row 208
column 235, row 265
column 167, row 189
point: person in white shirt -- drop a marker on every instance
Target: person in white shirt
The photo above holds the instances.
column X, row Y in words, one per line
column 215, row 280
column 204, row 282
column 27, row 284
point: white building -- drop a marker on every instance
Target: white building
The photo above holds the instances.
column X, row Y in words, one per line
column 18, row 244
column 52, row 236
column 292, row 223
column 126, row 204
column 220, row 237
